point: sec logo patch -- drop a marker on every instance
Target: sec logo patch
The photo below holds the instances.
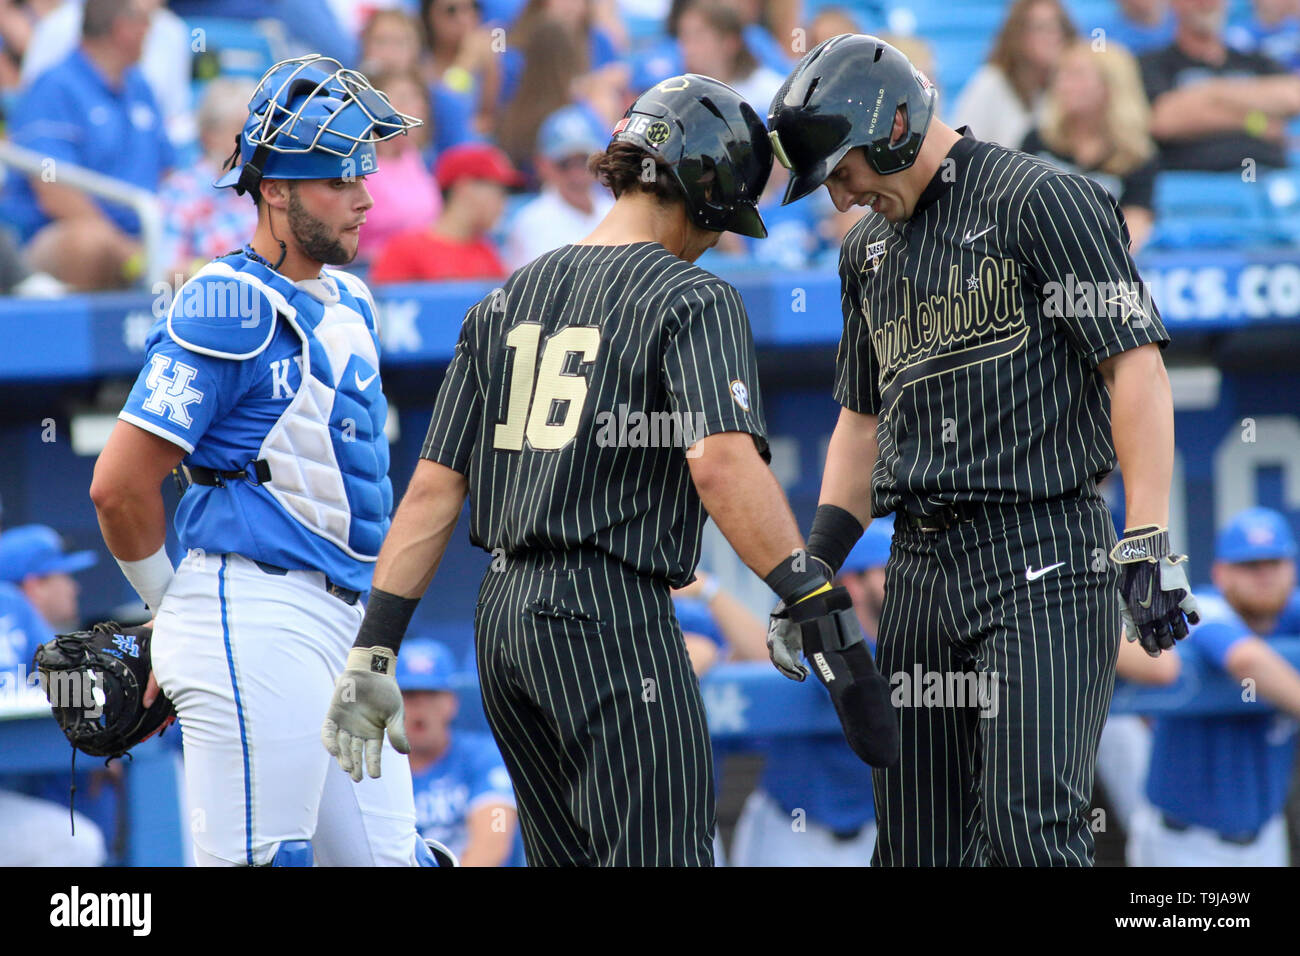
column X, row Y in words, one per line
column 658, row 133
column 740, row 393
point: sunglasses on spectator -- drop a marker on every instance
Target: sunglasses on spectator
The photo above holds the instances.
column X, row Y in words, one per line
column 455, row 9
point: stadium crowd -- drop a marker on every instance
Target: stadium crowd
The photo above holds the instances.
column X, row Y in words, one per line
column 515, row 95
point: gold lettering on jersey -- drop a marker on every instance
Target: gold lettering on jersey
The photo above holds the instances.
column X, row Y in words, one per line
column 965, row 314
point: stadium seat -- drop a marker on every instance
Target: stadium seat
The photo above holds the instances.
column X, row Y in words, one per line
column 241, row 47
column 1198, row 210
column 1281, row 195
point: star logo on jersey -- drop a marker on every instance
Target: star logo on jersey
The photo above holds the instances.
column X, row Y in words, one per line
column 171, row 395
column 972, row 283
column 875, row 255
column 1127, row 303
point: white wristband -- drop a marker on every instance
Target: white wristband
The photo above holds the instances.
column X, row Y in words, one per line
column 149, row 576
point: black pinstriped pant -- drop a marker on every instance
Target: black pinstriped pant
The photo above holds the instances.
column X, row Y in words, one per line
column 1007, row 778
column 590, row 694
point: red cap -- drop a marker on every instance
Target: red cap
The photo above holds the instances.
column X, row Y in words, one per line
column 476, row 161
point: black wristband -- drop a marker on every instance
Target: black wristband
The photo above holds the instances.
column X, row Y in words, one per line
column 386, row 620
column 795, row 577
column 833, row 535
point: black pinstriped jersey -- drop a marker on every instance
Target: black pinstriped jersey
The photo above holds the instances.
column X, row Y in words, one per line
column 974, row 331
column 575, row 393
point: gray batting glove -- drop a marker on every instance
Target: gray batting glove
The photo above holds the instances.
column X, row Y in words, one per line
column 366, row 702
column 785, row 643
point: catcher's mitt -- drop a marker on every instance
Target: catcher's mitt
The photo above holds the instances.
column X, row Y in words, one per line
column 95, row 681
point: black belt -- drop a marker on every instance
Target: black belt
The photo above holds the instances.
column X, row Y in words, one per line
column 346, row 595
column 942, row 520
column 255, row 473
column 1236, row 839
column 958, row 512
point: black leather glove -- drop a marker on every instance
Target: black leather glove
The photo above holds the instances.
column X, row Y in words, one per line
column 1154, row 594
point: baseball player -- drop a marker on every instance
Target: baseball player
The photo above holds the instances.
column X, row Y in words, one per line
column 1218, row 785
column 261, row 388
column 981, row 403
column 813, row 804
column 594, row 410
column 463, row 796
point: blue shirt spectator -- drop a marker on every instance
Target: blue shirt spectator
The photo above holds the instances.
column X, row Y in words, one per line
column 1231, row 774
column 311, row 23
column 814, row 804
column 470, row 774
column 21, row 632
column 1139, row 25
column 73, row 113
column 463, row 795
column 1278, row 40
column 1227, row 773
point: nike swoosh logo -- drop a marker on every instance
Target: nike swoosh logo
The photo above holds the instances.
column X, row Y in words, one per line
column 1151, row 583
column 364, row 383
column 968, row 238
column 1032, row 575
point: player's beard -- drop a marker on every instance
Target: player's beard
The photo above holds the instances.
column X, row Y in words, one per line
column 314, row 237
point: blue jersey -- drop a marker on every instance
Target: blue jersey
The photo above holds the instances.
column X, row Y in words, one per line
column 469, row 775
column 1227, row 773
column 1138, row 38
column 1280, row 42
column 821, row 776
column 71, row 114
column 694, row 617
column 248, row 366
column 22, row 630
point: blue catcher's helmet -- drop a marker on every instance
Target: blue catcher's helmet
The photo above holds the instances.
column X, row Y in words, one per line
column 312, row 119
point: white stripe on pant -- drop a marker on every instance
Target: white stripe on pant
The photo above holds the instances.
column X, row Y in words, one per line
column 250, row 660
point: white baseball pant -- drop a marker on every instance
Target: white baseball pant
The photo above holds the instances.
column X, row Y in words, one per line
column 1154, row 844
column 250, row 660
column 768, row 836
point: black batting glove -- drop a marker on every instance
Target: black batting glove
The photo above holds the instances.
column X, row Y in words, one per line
column 1156, row 601
column 838, row 655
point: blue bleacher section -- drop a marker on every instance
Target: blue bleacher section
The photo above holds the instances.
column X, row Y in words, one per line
column 1223, row 210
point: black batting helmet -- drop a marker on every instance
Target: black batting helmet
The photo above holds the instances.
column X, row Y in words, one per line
column 714, row 143
column 844, row 93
